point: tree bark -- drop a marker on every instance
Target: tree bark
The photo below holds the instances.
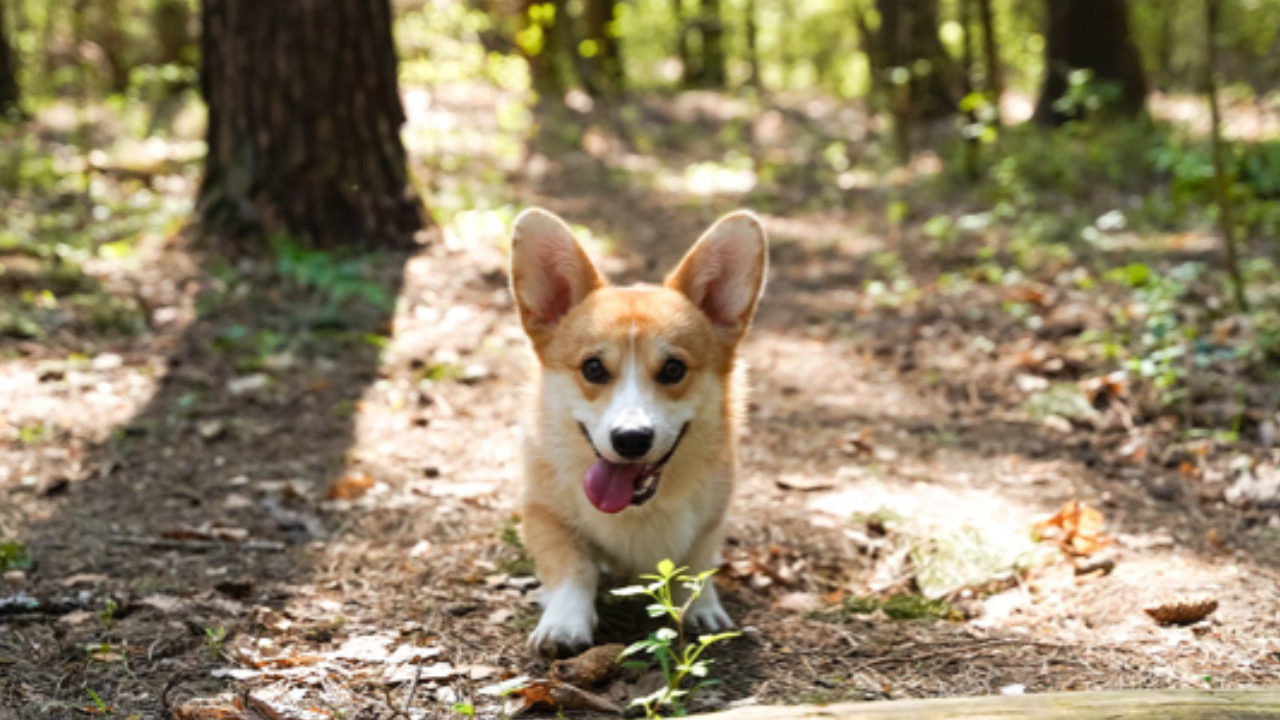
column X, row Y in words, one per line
column 604, row 74
column 546, row 60
column 111, row 41
column 908, row 39
column 304, row 124
column 1221, row 182
column 991, row 56
column 710, row 68
column 1090, row 35
column 9, row 95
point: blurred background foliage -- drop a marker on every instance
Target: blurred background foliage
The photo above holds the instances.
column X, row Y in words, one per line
column 1014, row 138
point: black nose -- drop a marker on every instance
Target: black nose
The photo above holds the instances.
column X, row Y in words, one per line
column 632, row 442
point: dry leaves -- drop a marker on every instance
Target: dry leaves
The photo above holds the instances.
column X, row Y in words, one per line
column 556, row 696
column 350, row 487
column 1182, row 610
column 765, row 567
column 1077, row 528
column 590, row 669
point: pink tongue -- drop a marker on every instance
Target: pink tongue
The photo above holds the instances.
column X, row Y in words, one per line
column 610, row 486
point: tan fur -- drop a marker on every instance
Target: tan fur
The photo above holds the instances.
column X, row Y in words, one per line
column 683, row 522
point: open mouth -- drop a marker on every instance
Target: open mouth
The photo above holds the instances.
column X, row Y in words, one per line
column 613, row 487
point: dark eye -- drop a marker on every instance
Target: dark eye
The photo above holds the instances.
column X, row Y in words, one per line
column 594, row 371
column 672, row 372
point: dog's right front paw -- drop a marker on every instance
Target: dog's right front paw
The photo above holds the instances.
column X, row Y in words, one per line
column 567, row 622
column 560, row 637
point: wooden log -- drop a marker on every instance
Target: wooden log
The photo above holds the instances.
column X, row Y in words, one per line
column 1115, row 705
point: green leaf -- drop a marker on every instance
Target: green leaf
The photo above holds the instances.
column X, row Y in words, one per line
column 657, row 610
column 709, row 639
column 666, row 634
column 666, row 568
column 638, row 646
column 629, row 591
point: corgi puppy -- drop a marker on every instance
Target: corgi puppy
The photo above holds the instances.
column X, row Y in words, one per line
column 630, row 452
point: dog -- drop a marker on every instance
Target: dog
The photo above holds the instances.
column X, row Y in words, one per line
column 630, row 449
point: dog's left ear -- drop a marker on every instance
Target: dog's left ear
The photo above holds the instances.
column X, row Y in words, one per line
column 723, row 274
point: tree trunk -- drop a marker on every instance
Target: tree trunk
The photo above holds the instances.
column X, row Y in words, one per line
column 603, row 57
column 709, row 70
column 714, row 71
column 908, row 39
column 1090, row 35
column 991, row 56
column 8, row 72
column 304, row 124
column 546, row 56
column 1221, row 182
column 170, row 19
column 111, row 41
column 753, row 52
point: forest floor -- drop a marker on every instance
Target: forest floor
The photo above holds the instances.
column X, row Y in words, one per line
column 265, row 495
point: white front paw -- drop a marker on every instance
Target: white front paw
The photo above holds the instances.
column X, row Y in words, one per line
column 567, row 622
column 706, row 613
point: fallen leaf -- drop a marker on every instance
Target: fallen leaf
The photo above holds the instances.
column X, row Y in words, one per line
column 590, row 669
column 804, row 483
column 166, row 604
column 84, row 579
column 1182, row 610
column 364, row 649
column 350, row 487
column 1077, row 528
column 206, row 710
column 798, row 602
column 555, row 696
column 76, row 617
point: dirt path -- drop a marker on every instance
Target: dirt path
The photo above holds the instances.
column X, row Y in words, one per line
column 363, row 468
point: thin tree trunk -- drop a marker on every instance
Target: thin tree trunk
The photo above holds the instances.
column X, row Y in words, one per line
column 1221, row 182
column 546, row 62
column 908, row 39
column 604, row 72
column 110, row 39
column 714, row 60
column 991, row 57
column 753, row 51
column 9, row 94
column 1091, row 35
column 683, row 51
column 304, row 124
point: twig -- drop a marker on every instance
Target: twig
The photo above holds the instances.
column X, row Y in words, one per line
column 1219, row 166
column 199, row 545
column 413, row 688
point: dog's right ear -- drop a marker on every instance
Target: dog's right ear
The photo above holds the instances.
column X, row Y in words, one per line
column 550, row 272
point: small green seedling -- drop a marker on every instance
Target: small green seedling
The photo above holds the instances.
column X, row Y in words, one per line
column 107, row 615
column 214, row 640
column 102, row 707
column 678, row 658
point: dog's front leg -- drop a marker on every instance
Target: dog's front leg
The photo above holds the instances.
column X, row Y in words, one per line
column 569, row 579
column 706, row 613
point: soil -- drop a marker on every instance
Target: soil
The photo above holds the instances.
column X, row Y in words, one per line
column 212, row 526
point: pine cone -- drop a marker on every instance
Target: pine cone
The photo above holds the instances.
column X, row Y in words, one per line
column 1182, row 610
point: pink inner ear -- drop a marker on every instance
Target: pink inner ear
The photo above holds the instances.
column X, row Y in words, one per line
column 721, row 288
column 558, row 299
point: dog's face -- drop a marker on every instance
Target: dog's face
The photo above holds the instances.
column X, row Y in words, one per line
column 635, row 367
